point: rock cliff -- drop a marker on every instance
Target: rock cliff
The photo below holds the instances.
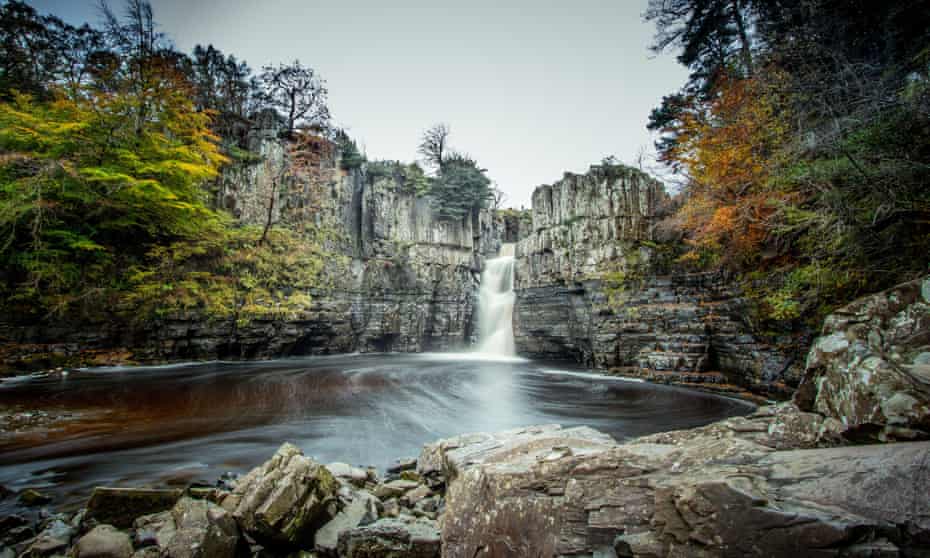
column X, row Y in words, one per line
column 591, row 287
column 400, row 278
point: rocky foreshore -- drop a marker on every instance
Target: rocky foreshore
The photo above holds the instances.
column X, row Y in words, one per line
column 780, row 482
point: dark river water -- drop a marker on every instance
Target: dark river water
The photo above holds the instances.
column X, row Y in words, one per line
column 177, row 424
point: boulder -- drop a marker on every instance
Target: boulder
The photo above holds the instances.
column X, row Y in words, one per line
column 354, row 475
column 121, row 506
column 32, row 497
column 103, row 541
column 870, row 369
column 401, row 465
column 392, row 538
column 733, row 488
column 361, row 509
column 54, row 539
column 394, row 488
column 192, row 529
column 285, row 500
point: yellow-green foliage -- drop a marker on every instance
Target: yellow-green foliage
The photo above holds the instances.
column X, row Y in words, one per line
column 230, row 275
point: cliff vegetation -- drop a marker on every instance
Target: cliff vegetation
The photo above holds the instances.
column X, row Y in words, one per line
column 801, row 139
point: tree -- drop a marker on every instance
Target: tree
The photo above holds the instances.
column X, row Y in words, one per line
column 82, row 189
column 462, row 188
column 222, row 84
column 434, row 146
column 298, row 92
column 39, row 50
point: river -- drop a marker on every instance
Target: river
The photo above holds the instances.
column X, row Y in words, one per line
column 171, row 425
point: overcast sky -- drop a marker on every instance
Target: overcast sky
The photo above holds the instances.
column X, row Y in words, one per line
column 530, row 88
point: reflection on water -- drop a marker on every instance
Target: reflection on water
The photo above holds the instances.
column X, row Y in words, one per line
column 155, row 425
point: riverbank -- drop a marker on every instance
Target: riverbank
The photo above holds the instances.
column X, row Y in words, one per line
column 779, row 482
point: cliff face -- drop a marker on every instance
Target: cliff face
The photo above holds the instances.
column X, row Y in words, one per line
column 589, row 288
column 400, row 279
column 404, row 280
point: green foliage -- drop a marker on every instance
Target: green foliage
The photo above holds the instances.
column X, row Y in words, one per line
column 350, row 157
column 461, row 188
column 83, row 187
column 229, row 274
column 415, row 180
column 376, row 170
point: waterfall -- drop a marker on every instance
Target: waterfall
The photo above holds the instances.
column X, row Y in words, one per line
column 495, row 305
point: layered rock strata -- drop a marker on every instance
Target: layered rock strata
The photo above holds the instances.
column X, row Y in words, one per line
column 590, row 288
column 399, row 279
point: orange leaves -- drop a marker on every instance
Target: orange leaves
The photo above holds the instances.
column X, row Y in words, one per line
column 731, row 147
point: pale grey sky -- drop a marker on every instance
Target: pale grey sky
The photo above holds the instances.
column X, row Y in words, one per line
column 530, row 88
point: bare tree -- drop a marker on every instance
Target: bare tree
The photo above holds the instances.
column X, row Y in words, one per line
column 435, row 145
column 298, row 92
column 498, row 197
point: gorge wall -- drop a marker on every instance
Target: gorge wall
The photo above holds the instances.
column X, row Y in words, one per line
column 591, row 287
column 398, row 278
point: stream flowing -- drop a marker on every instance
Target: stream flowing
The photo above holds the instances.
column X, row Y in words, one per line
column 158, row 425
column 191, row 423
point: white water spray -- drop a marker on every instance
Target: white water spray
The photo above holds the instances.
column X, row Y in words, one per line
column 495, row 305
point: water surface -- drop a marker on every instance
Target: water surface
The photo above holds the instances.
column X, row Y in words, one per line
column 135, row 426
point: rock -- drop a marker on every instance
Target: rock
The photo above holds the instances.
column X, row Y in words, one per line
column 412, row 497
column 285, row 500
column 103, row 541
column 54, row 539
column 411, row 476
column 191, row 529
column 391, row 508
column 32, row 497
column 16, row 534
column 147, row 552
column 119, row 507
column 401, row 465
column 714, row 491
column 5, row 492
column 390, row 538
column 361, row 510
column 12, row 521
column 867, row 369
column 394, row 489
column 666, row 327
column 354, row 475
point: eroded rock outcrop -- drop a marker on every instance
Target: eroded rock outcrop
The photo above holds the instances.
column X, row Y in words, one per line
column 871, row 367
column 720, row 490
column 284, row 501
column 590, row 287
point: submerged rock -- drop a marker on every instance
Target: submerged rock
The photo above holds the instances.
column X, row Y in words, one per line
column 32, row 497
column 285, row 500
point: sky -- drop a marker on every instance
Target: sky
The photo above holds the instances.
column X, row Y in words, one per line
column 530, row 88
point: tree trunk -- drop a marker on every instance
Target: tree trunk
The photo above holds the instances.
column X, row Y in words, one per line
column 274, row 190
column 745, row 47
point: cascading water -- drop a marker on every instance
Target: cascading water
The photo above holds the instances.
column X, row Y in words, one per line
column 495, row 305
